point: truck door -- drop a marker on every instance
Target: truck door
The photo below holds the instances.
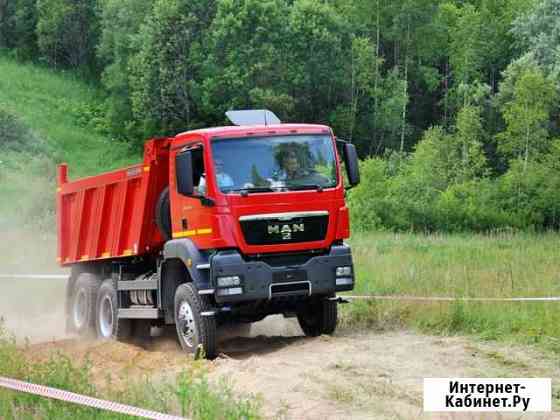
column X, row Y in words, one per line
column 190, row 218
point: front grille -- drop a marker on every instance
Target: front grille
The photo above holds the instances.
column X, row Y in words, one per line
column 290, row 289
column 286, row 259
column 278, row 230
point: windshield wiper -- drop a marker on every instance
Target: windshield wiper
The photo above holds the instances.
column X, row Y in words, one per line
column 317, row 187
column 246, row 191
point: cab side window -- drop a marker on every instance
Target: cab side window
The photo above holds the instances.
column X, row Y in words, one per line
column 199, row 175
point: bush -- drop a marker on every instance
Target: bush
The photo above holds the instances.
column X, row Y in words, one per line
column 15, row 136
column 368, row 205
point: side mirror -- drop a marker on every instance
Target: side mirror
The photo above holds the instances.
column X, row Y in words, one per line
column 352, row 164
column 184, row 172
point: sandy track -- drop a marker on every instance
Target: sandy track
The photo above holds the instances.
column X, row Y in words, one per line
column 358, row 375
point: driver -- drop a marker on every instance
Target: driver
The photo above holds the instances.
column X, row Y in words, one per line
column 295, row 162
column 223, row 179
column 290, row 165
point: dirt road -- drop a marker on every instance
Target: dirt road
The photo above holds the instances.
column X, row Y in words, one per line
column 358, row 375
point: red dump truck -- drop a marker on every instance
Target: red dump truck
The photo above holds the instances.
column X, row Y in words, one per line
column 217, row 225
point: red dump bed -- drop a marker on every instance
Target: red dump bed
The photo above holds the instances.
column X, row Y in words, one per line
column 112, row 215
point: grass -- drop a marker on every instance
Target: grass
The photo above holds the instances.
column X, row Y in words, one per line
column 497, row 265
column 190, row 394
column 54, row 105
column 47, row 118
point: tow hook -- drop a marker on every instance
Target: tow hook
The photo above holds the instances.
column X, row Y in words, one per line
column 338, row 299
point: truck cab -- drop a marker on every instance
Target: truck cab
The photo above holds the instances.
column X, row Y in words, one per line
column 250, row 221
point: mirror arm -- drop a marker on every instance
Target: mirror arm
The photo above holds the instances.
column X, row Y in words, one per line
column 205, row 201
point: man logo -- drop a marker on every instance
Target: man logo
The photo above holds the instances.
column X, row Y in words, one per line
column 286, row 230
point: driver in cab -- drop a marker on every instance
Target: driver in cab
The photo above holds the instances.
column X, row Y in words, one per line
column 293, row 168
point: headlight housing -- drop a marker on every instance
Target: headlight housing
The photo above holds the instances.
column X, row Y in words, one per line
column 228, row 281
column 345, row 271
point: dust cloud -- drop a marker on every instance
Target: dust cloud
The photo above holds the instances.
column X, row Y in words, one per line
column 31, row 309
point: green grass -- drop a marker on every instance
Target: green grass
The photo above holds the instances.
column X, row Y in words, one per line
column 498, row 265
column 59, row 108
column 56, row 119
column 190, row 394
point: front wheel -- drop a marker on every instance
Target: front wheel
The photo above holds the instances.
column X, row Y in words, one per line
column 318, row 317
column 196, row 332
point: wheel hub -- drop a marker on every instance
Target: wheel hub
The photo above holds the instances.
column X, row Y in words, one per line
column 187, row 323
column 106, row 317
column 80, row 309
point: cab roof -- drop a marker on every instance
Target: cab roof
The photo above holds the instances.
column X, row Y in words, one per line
column 249, row 130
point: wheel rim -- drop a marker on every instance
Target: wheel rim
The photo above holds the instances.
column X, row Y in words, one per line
column 187, row 324
column 80, row 309
column 106, row 317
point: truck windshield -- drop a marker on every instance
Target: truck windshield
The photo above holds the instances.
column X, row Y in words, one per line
column 274, row 163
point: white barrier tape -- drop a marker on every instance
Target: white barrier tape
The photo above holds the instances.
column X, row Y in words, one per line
column 452, row 299
column 67, row 396
column 34, row 276
column 363, row 297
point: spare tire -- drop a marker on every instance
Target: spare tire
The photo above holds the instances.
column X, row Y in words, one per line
column 163, row 214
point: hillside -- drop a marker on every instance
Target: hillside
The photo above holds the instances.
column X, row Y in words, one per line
column 47, row 118
column 60, row 109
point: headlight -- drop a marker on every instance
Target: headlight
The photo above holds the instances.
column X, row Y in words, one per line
column 229, row 281
column 343, row 271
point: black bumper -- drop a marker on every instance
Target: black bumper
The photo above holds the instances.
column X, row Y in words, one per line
column 259, row 280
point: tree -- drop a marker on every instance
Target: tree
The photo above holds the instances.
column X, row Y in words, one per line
column 120, row 24
column 166, row 72
column 526, row 100
column 7, row 23
column 416, row 44
column 471, row 163
column 25, row 42
column 18, row 20
column 538, row 32
column 248, row 60
column 365, row 67
column 318, row 72
column 67, row 33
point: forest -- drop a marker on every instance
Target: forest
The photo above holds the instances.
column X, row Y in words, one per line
column 453, row 105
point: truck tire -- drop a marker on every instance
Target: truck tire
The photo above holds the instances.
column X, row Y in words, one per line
column 319, row 317
column 196, row 333
column 163, row 214
column 108, row 324
column 81, row 313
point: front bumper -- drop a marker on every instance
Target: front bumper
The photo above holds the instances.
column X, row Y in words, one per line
column 259, row 280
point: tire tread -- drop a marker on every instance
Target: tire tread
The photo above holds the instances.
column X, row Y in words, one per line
column 206, row 324
column 91, row 283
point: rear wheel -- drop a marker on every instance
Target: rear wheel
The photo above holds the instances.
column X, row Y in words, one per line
column 318, row 317
column 81, row 314
column 196, row 332
column 107, row 321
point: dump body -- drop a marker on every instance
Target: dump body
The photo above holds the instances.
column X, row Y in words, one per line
column 111, row 215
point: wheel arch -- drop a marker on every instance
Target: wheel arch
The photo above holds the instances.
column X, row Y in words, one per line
column 181, row 259
column 188, row 253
